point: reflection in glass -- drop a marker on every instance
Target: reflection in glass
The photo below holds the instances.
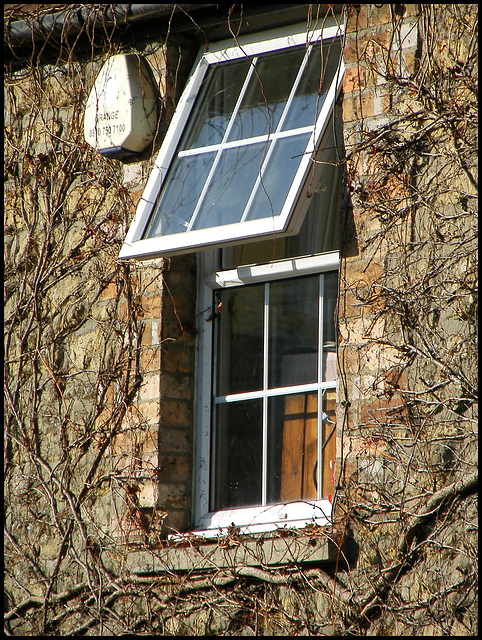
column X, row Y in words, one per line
column 319, row 232
column 237, row 451
column 239, row 336
column 330, row 296
column 173, row 211
column 267, row 93
column 278, row 176
column 329, row 442
column 293, row 332
column 214, row 104
column 271, row 425
column 292, row 447
column 314, row 85
column 231, row 185
column 267, row 99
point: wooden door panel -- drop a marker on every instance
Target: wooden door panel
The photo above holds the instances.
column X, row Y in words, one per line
column 299, row 448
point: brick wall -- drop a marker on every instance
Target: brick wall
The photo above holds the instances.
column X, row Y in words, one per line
column 392, row 462
column 372, row 45
column 397, row 311
column 162, row 482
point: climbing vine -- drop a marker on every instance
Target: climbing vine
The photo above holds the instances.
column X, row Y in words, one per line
column 405, row 513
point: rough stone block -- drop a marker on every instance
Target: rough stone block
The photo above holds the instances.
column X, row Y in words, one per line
column 150, row 388
column 354, row 80
column 175, row 413
column 173, row 468
column 174, row 440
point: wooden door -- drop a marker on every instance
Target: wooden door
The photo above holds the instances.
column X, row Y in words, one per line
column 299, row 453
column 300, row 447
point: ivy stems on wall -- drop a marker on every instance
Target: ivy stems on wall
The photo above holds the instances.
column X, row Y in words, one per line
column 72, row 336
column 75, row 349
column 411, row 304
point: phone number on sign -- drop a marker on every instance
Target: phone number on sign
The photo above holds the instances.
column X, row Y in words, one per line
column 108, row 130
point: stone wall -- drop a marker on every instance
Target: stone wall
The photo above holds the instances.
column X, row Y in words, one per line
column 86, row 335
column 100, row 357
column 407, row 399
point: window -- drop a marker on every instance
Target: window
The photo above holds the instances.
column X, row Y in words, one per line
column 248, row 177
column 274, row 381
column 240, row 148
column 267, row 382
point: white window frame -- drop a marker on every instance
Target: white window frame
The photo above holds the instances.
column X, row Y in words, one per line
column 260, row 518
column 291, row 216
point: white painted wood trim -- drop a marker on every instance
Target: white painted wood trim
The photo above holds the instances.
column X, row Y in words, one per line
column 276, row 270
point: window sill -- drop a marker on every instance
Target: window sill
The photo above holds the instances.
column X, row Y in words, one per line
column 285, row 268
column 192, row 554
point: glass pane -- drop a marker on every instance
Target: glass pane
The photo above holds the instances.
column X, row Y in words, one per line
column 329, row 328
column 231, row 185
column 329, row 442
column 278, row 177
column 239, row 338
column 319, row 232
column 308, row 99
column 178, row 199
column 215, row 104
column 266, row 95
column 292, row 447
column 237, row 456
column 293, row 332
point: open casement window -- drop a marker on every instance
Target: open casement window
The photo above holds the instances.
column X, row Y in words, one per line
column 239, row 160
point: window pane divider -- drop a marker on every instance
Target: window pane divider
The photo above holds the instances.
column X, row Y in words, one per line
column 242, row 142
column 270, row 150
column 319, row 457
column 207, row 184
column 294, row 88
column 277, row 391
column 264, row 489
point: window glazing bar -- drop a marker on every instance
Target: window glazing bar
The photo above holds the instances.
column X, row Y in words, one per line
column 243, row 142
column 217, row 158
column 319, row 469
column 277, row 391
column 278, row 129
column 264, row 477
